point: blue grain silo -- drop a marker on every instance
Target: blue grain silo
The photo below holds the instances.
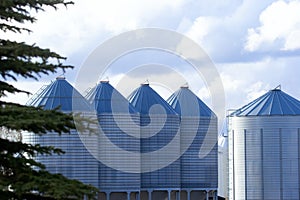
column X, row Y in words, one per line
column 159, row 125
column 146, row 149
column 264, row 148
column 199, row 162
column 119, row 122
column 77, row 162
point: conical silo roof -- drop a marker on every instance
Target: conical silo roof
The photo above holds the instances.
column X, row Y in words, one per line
column 144, row 97
column 274, row 102
column 185, row 99
column 106, row 99
column 60, row 93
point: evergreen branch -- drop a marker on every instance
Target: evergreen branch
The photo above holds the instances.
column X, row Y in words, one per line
column 29, row 69
column 18, row 148
column 25, row 181
column 39, row 121
column 22, row 177
column 10, row 49
column 18, row 10
column 7, row 27
column 47, row 183
column 5, row 87
column 28, row 61
column 11, row 13
column 34, row 119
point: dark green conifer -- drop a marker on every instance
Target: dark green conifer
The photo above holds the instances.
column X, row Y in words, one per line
column 21, row 177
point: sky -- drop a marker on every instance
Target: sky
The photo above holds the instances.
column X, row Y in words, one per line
column 254, row 44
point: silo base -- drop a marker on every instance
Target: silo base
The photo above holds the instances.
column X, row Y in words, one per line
column 158, row 195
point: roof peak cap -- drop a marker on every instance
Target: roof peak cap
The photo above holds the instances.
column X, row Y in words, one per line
column 277, row 88
column 145, row 83
column 106, row 80
column 186, row 85
column 61, row 77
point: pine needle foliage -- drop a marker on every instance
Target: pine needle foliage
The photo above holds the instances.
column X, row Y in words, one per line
column 21, row 177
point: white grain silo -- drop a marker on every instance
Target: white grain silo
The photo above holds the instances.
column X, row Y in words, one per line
column 264, row 148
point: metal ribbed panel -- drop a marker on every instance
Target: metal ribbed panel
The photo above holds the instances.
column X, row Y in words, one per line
column 239, row 164
column 76, row 163
column 198, row 124
column 60, row 93
column 253, row 163
column 290, row 159
column 188, row 172
column 264, row 157
column 156, row 135
column 109, row 178
column 274, row 102
column 184, row 102
column 198, row 172
column 223, row 166
column 169, row 176
column 231, row 164
column 271, row 163
column 118, row 121
column 106, row 99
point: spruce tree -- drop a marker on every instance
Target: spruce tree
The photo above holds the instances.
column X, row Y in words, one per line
column 21, row 177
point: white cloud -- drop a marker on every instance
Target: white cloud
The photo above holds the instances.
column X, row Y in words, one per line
column 222, row 36
column 22, row 98
column 184, row 24
column 292, row 40
column 161, row 78
column 86, row 24
column 201, row 27
column 244, row 82
column 204, row 93
column 279, row 28
column 256, row 90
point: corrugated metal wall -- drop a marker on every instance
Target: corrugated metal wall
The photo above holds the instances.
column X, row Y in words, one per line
column 169, row 176
column 111, row 179
column 264, row 157
column 190, row 172
column 199, row 172
column 76, row 163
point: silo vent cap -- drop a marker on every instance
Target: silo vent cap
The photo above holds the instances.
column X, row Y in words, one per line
column 106, row 80
column 60, row 78
column 145, row 83
column 186, row 85
column 278, row 88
